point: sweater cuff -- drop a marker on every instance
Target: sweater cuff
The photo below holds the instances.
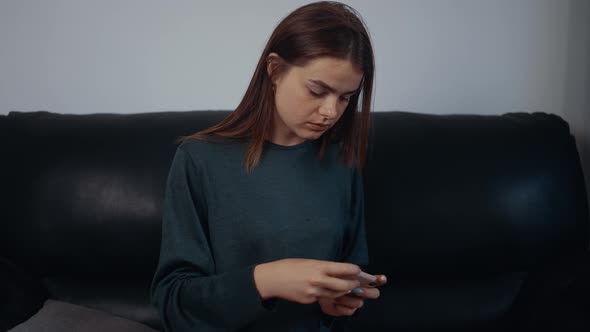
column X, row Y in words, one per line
column 251, row 298
column 268, row 304
column 224, row 292
column 329, row 321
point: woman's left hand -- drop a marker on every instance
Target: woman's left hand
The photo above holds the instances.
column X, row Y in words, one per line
column 346, row 305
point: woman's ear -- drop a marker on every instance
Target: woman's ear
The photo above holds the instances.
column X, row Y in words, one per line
column 273, row 62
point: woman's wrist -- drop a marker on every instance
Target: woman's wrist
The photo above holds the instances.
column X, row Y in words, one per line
column 262, row 276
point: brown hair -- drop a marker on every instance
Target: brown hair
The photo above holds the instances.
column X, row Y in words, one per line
column 325, row 28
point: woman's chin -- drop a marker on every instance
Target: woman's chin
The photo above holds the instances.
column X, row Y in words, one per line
column 308, row 134
column 311, row 135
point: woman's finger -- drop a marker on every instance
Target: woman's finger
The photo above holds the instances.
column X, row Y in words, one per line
column 381, row 280
column 367, row 292
column 335, row 284
column 344, row 310
column 350, row 301
column 337, row 269
column 327, row 293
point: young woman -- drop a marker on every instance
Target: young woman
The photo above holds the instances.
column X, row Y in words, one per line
column 263, row 224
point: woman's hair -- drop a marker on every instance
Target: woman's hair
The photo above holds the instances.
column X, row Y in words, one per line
column 319, row 29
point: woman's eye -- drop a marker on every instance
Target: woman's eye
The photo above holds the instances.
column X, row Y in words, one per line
column 320, row 94
column 317, row 94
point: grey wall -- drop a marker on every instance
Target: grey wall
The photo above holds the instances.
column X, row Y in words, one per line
column 433, row 56
column 576, row 103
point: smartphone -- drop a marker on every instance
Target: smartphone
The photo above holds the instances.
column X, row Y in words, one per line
column 367, row 280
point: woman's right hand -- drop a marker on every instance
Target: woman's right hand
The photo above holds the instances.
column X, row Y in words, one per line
column 305, row 280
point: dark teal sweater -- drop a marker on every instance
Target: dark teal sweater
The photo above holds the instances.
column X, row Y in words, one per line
column 219, row 222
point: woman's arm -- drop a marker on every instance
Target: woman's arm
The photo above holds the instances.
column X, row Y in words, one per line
column 185, row 289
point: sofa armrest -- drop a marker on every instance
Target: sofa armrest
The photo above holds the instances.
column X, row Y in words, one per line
column 21, row 295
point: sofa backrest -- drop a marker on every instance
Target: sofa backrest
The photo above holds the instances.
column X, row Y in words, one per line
column 471, row 216
column 460, row 209
column 82, row 198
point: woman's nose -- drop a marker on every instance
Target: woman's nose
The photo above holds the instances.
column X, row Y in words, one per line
column 328, row 108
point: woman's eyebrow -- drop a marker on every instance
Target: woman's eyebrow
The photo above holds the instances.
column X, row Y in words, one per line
column 329, row 88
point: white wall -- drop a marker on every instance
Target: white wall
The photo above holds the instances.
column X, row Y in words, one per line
column 433, row 56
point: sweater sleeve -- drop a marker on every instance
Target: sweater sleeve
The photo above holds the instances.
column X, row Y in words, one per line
column 355, row 244
column 355, row 241
column 186, row 290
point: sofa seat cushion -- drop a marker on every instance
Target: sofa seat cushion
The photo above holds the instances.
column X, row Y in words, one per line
column 57, row 316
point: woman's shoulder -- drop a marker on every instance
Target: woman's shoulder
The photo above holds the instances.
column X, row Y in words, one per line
column 211, row 147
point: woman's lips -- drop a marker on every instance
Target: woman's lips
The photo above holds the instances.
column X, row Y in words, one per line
column 317, row 126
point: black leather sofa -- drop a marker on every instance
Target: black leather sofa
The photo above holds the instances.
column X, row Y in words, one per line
column 480, row 222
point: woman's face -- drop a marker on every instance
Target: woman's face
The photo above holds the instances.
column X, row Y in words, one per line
column 310, row 99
